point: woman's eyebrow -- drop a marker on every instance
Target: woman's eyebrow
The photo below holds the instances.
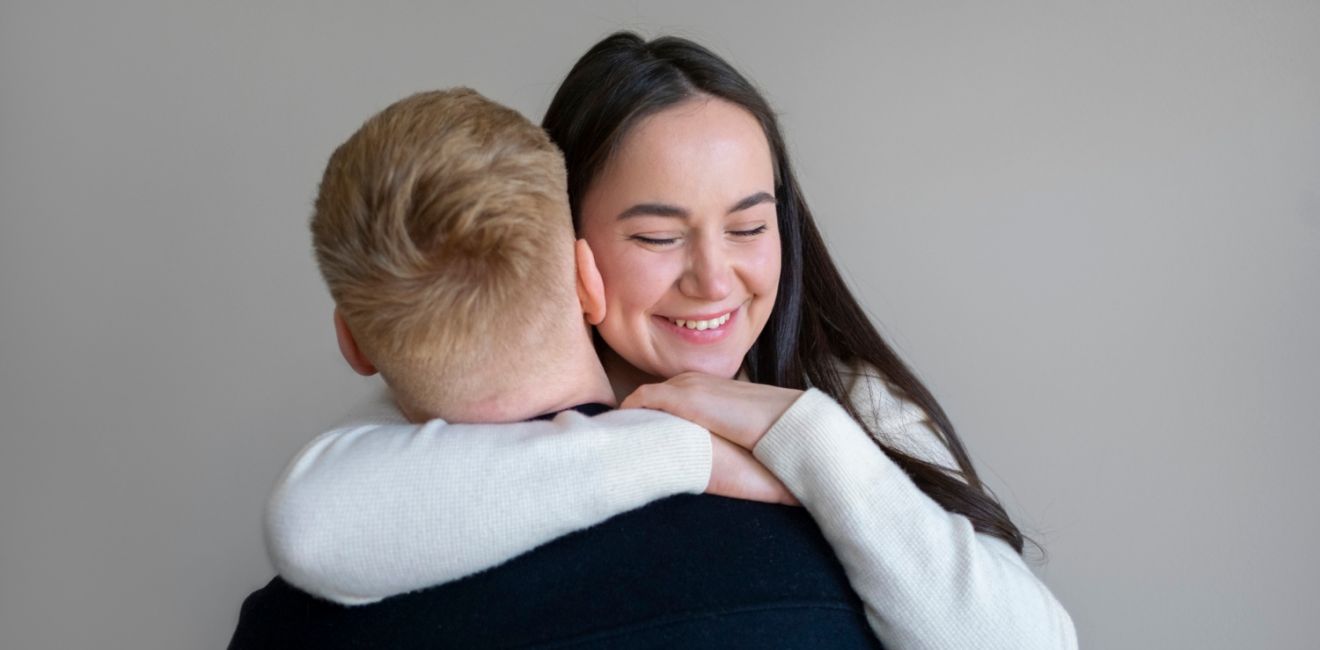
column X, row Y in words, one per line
column 755, row 199
column 653, row 210
column 666, row 210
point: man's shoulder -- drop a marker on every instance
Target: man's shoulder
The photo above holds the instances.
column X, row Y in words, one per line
column 690, row 569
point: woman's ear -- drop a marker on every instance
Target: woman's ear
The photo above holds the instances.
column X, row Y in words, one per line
column 590, row 287
column 349, row 348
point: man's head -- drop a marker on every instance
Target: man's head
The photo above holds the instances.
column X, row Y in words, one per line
column 442, row 228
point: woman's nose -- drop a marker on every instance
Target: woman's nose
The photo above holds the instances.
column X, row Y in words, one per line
column 708, row 275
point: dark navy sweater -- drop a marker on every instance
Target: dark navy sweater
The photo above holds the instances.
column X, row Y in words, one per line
column 684, row 572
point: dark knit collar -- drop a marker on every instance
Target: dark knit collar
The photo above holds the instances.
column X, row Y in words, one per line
column 589, row 409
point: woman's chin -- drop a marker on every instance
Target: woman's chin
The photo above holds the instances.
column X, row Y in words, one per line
column 660, row 367
column 716, row 367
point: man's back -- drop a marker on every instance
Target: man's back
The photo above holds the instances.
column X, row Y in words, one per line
column 688, row 571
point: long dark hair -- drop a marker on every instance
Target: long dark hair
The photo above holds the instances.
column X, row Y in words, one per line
column 816, row 319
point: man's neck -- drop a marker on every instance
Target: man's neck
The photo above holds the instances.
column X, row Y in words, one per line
column 544, row 386
column 588, row 384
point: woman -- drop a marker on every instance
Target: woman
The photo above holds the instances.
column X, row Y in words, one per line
column 713, row 268
column 616, row 117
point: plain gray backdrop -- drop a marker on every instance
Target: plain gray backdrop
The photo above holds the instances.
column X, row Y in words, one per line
column 1092, row 228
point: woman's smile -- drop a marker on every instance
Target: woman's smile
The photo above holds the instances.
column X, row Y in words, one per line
column 700, row 329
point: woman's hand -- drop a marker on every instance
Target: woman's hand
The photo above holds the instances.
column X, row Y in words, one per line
column 738, row 411
column 735, row 473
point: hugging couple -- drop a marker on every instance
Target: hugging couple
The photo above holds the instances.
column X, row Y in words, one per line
column 631, row 402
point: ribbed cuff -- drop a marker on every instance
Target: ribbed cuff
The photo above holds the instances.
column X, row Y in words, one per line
column 816, row 449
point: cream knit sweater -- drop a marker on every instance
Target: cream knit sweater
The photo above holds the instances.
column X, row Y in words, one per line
column 379, row 507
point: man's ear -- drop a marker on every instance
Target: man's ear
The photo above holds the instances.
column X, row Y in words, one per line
column 349, row 348
column 590, row 287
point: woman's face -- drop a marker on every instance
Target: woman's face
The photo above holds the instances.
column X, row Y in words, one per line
column 683, row 225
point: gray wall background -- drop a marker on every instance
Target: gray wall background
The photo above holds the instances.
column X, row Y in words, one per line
column 1093, row 228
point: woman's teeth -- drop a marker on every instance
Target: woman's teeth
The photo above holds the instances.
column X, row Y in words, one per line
column 702, row 324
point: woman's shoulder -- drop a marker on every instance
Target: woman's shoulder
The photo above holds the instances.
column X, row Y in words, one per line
column 890, row 416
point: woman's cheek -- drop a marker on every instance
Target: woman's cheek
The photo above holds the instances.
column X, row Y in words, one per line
column 642, row 278
column 764, row 265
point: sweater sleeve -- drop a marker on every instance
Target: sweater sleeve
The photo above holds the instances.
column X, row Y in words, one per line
column 926, row 578
column 379, row 508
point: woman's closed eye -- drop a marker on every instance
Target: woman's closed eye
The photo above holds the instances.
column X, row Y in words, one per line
column 749, row 232
column 661, row 240
column 657, row 240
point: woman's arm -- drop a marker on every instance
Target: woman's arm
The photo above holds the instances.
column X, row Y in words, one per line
column 382, row 507
column 927, row 579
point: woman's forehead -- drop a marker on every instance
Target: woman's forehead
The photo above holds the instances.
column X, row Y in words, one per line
column 704, row 147
column 692, row 126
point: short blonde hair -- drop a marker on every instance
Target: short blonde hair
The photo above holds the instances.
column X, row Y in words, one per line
column 442, row 228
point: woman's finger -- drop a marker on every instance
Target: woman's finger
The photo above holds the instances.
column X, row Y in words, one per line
column 738, row 411
column 735, row 473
